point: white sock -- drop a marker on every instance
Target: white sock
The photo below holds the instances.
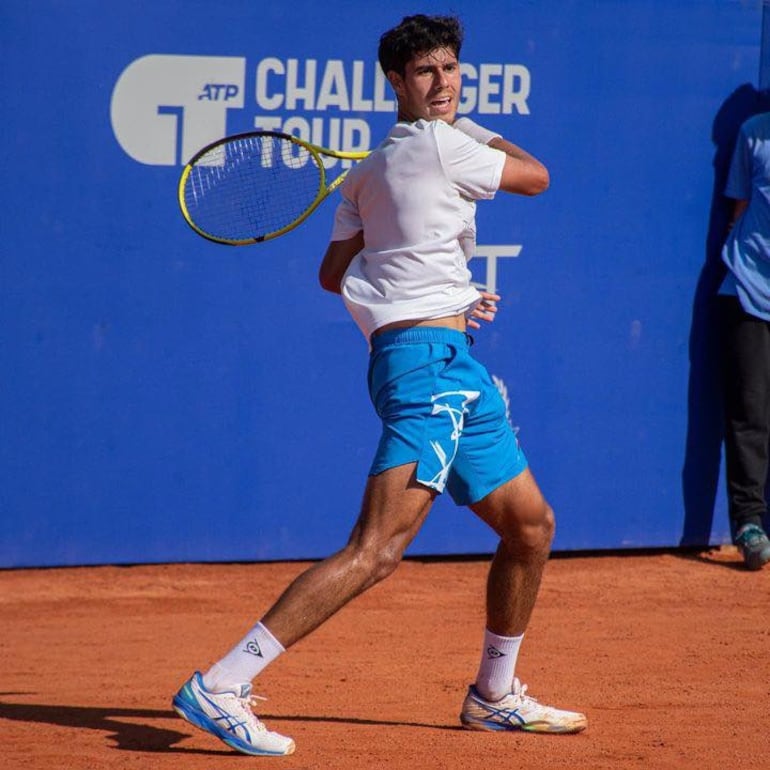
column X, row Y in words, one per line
column 250, row 656
column 498, row 663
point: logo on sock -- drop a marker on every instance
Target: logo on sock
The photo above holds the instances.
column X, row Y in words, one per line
column 252, row 647
column 493, row 652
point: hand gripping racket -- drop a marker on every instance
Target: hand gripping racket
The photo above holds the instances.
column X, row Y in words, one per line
column 252, row 187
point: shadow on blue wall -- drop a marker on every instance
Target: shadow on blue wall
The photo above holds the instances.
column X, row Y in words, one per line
column 702, row 463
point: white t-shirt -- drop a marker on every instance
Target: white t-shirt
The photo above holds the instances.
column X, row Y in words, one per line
column 414, row 198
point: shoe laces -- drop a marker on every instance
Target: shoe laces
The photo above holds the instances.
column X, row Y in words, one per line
column 519, row 691
column 247, row 702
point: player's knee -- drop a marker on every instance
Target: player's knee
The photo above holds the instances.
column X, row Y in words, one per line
column 533, row 533
column 548, row 522
column 386, row 560
column 376, row 561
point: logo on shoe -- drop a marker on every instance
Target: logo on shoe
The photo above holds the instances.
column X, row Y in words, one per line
column 252, row 648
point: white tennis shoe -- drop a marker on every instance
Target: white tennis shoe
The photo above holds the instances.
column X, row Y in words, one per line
column 518, row 711
column 228, row 716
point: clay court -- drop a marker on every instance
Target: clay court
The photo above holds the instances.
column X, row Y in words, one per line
column 667, row 653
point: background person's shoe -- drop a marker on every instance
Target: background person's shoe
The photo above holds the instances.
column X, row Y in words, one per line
column 754, row 546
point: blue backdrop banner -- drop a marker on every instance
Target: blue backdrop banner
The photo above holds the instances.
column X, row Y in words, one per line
column 165, row 398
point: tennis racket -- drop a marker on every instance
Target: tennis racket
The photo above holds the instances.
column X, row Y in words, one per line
column 256, row 186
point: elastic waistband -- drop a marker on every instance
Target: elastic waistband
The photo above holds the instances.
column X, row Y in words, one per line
column 421, row 334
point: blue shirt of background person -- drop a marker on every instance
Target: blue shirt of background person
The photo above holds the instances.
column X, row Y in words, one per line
column 747, row 249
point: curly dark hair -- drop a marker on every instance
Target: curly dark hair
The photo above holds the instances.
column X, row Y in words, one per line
column 417, row 35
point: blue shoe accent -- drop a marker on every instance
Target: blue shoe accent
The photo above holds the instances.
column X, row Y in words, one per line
column 491, row 717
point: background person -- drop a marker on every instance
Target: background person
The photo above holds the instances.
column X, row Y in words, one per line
column 745, row 306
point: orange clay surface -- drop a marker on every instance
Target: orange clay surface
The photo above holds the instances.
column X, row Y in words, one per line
column 668, row 655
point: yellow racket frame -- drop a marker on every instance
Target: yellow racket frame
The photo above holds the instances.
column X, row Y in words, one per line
column 323, row 192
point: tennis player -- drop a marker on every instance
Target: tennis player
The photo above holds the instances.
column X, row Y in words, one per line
column 401, row 239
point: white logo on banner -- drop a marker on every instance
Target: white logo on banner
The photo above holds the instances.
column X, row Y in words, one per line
column 165, row 108
column 491, row 254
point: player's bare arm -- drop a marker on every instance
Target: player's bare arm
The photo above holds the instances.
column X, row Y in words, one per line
column 336, row 261
column 523, row 173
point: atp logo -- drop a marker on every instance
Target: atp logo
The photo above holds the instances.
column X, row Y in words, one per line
column 164, row 108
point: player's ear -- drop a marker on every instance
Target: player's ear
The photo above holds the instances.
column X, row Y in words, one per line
column 396, row 82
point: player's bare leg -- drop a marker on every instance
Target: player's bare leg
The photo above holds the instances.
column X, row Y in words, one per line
column 220, row 701
column 393, row 510
column 520, row 515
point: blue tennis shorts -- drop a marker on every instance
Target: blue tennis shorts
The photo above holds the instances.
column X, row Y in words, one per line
column 440, row 409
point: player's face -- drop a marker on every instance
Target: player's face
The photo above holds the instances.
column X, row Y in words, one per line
column 430, row 87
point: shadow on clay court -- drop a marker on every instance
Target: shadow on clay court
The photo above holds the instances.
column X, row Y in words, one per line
column 124, row 725
column 127, row 735
column 718, row 557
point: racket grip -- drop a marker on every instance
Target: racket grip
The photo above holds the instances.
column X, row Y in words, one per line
column 475, row 131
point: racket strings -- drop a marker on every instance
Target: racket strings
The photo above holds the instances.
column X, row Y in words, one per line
column 251, row 187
